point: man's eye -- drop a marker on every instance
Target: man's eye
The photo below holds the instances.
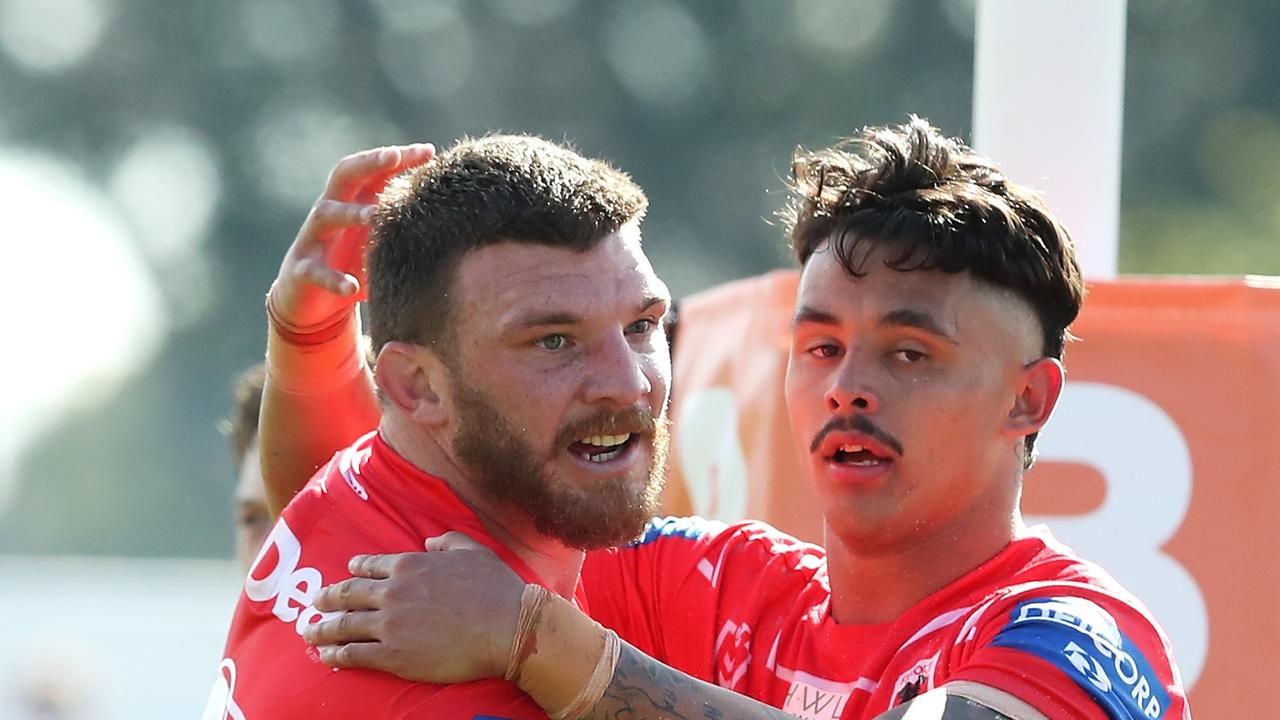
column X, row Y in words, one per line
column 552, row 342
column 641, row 327
column 253, row 520
column 825, row 350
column 910, row 356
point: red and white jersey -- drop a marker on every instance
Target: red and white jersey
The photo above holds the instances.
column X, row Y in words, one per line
column 749, row 608
column 368, row 499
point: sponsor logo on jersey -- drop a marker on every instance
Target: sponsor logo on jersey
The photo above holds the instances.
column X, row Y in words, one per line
column 1084, row 641
column 1088, row 666
column 814, row 698
column 222, row 703
column 275, row 577
column 916, row 680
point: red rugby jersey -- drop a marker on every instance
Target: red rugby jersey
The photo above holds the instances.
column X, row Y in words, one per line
column 368, row 499
column 749, row 608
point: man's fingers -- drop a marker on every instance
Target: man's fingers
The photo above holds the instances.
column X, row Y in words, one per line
column 350, row 594
column 326, row 214
column 367, row 189
column 413, row 155
column 349, row 627
column 314, row 272
column 354, row 172
column 452, row 540
column 372, row 655
column 378, row 567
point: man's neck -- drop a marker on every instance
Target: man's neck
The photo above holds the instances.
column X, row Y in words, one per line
column 878, row 586
column 555, row 564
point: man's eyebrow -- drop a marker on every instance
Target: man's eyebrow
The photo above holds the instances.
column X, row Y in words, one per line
column 806, row 315
column 652, row 300
column 918, row 320
column 555, row 317
column 565, row 317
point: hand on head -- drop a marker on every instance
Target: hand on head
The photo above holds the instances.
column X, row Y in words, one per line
column 322, row 274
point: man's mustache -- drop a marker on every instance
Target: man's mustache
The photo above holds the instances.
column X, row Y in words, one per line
column 634, row 420
column 856, row 423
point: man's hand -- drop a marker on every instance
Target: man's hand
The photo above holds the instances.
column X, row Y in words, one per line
column 323, row 272
column 444, row 616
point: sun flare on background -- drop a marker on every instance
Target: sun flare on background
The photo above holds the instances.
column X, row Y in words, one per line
column 100, row 317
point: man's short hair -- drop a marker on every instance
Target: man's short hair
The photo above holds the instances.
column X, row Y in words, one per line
column 939, row 206
column 246, row 399
column 482, row 191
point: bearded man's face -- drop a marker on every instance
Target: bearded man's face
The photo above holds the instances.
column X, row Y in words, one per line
column 559, row 376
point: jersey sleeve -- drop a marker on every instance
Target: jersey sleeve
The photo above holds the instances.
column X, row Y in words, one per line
column 689, row 591
column 1074, row 652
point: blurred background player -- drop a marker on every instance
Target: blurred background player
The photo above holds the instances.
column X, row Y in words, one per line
column 249, row 510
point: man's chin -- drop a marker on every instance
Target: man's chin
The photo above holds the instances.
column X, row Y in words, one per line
column 610, row 514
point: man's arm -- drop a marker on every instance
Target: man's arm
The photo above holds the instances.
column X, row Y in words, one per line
column 448, row 617
column 319, row 393
column 316, row 400
column 642, row 687
column 645, row 688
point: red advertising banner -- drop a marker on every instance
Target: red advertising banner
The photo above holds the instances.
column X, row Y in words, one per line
column 1156, row 463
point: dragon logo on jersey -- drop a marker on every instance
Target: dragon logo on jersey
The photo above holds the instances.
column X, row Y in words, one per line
column 916, row 680
column 733, row 650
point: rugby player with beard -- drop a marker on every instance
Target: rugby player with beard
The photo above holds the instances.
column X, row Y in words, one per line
column 522, row 373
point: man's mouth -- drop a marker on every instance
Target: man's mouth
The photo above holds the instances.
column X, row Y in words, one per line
column 855, row 451
column 601, row 448
column 855, row 442
column 856, row 455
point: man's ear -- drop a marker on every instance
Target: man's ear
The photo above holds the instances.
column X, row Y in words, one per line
column 415, row 380
column 1039, row 386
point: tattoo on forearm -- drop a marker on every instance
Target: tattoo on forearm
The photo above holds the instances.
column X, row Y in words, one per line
column 645, row 689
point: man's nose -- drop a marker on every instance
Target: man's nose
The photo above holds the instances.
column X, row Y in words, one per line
column 617, row 373
column 851, row 388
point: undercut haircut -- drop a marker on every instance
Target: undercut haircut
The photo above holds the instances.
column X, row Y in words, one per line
column 482, row 191
column 937, row 205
